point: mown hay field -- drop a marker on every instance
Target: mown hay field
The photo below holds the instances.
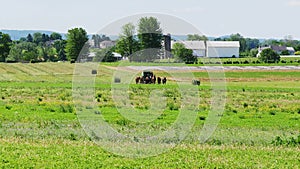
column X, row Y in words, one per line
column 39, row 128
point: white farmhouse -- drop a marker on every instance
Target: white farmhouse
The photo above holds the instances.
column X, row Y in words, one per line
column 277, row 49
column 222, row 49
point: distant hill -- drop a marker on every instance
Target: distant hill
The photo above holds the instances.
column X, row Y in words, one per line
column 17, row 34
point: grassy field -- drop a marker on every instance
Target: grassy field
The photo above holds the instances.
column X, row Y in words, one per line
column 39, row 128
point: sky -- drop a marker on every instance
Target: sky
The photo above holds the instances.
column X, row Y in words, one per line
column 250, row 18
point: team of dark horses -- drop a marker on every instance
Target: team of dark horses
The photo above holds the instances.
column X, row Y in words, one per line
column 150, row 80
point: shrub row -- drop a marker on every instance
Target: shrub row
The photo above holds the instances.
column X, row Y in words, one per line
column 246, row 62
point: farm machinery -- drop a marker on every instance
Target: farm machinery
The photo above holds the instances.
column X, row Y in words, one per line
column 148, row 77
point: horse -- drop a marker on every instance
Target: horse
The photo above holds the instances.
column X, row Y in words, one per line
column 153, row 79
column 142, row 80
column 164, row 80
column 137, row 80
column 158, row 80
column 147, row 80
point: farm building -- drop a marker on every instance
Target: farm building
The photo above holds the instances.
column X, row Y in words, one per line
column 198, row 47
column 212, row 48
column 277, row 49
column 222, row 49
column 107, row 44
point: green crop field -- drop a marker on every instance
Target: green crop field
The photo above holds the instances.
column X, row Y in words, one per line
column 39, row 126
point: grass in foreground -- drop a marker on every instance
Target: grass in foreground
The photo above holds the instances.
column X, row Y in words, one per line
column 39, row 126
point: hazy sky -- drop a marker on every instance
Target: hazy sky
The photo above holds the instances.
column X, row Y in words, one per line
column 251, row 18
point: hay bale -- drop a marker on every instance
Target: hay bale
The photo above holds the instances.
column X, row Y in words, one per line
column 117, row 80
column 196, row 82
column 94, row 72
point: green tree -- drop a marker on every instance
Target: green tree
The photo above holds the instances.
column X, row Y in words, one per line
column 45, row 38
column 29, row 38
column 48, row 53
column 5, row 44
column 127, row 44
column 269, row 56
column 22, row 40
column 150, row 36
column 175, row 51
column 285, row 52
column 241, row 39
column 150, row 39
column 25, row 51
column 15, row 53
column 37, row 38
column 181, row 53
column 196, row 37
column 297, row 47
column 253, row 52
column 60, row 46
column 251, row 44
column 76, row 39
column 55, row 36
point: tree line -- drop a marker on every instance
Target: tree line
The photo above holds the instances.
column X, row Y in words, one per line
column 43, row 47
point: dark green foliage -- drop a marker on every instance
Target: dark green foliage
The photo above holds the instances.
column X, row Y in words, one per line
column 5, row 45
column 183, row 54
column 29, row 38
column 60, row 45
column 66, row 108
column 48, row 53
column 72, row 137
column 8, row 107
column 241, row 39
column 128, row 43
column 55, row 36
column 269, row 56
column 37, row 38
column 76, row 39
column 251, row 44
column 25, row 51
column 126, row 46
column 291, row 141
column 150, row 37
column 253, row 52
column 45, row 38
column 285, row 52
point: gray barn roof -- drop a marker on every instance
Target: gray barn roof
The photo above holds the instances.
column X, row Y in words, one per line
column 200, row 45
column 194, row 45
column 223, row 44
